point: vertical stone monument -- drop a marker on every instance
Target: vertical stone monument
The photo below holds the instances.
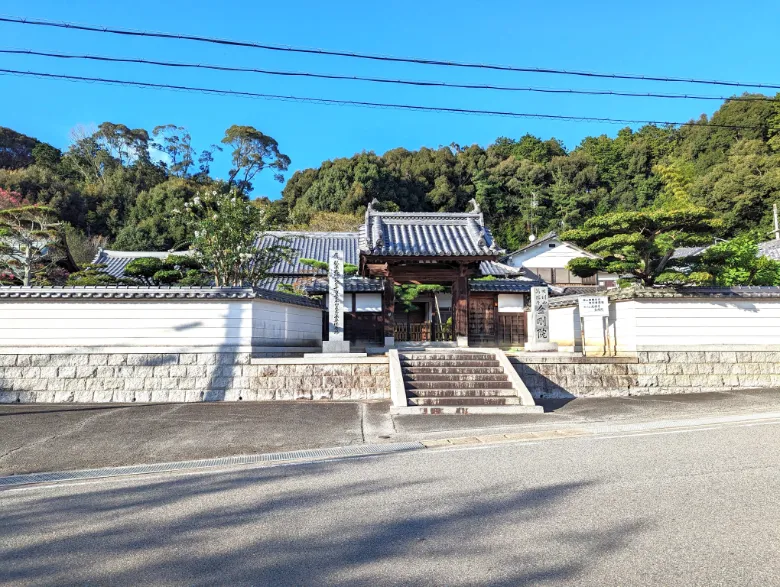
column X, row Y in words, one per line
column 539, row 324
column 335, row 342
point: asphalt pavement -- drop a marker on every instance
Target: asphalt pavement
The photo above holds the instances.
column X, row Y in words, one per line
column 687, row 506
column 56, row 437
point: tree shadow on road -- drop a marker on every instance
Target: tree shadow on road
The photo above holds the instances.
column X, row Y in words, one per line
column 347, row 523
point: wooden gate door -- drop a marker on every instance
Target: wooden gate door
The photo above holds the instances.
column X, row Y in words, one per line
column 482, row 321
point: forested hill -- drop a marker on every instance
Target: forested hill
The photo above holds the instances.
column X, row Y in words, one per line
column 534, row 185
column 120, row 187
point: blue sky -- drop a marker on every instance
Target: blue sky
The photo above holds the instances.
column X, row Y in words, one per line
column 716, row 40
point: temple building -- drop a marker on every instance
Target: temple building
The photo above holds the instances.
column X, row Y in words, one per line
column 466, row 292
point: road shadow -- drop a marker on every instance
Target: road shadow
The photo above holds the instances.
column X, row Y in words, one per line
column 345, row 523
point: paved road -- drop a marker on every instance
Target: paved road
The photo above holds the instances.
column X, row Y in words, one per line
column 55, row 437
column 684, row 507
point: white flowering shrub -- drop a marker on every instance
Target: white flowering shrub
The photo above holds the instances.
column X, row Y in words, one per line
column 227, row 228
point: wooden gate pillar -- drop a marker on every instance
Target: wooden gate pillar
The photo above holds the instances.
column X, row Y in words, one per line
column 388, row 311
column 460, row 305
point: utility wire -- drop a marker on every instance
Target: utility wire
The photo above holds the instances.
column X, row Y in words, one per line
column 373, row 57
column 421, row 83
column 327, row 101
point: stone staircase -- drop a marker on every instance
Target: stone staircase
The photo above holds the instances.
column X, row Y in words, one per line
column 440, row 381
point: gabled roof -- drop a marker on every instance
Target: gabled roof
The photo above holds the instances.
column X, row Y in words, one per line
column 310, row 245
column 547, row 237
column 116, row 261
column 418, row 234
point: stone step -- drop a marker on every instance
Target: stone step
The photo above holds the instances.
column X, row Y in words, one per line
column 452, row 370
column 450, row 363
column 493, row 392
column 455, row 377
column 458, row 385
column 464, row 410
column 446, row 357
column 464, row 401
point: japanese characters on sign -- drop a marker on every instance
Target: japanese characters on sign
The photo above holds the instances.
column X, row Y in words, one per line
column 336, row 296
column 540, row 315
column 593, row 306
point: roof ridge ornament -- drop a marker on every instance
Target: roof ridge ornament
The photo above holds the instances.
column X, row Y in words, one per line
column 475, row 206
column 376, row 229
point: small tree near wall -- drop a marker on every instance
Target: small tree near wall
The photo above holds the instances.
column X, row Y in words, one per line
column 227, row 228
column 30, row 243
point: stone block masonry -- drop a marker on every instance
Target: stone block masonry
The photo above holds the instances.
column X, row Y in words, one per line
column 185, row 377
column 650, row 372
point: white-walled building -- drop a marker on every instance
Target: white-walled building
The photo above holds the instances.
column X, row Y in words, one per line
column 547, row 258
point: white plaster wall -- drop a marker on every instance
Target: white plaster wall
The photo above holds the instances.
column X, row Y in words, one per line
column 120, row 323
column 511, row 303
column 368, row 302
column 617, row 334
column 168, row 325
column 685, row 323
column 622, row 328
column 565, row 327
column 555, row 258
column 673, row 324
column 277, row 324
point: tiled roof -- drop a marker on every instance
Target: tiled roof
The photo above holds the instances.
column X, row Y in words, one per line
column 121, row 292
column 311, row 245
column 285, row 298
column 504, row 285
column 319, row 285
column 577, row 290
column 116, row 261
column 420, row 234
column 351, row 285
column 685, row 252
column 770, row 249
column 498, row 269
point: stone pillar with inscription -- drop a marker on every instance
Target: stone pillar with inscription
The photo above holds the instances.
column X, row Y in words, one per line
column 335, row 342
column 539, row 324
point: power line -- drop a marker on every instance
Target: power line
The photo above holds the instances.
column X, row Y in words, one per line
column 373, row 57
column 420, row 83
column 328, row 101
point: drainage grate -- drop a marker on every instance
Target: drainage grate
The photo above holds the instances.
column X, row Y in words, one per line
column 295, row 455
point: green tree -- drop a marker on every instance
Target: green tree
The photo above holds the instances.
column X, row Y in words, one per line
column 742, row 187
column 226, row 228
column 639, row 243
column 16, row 149
column 155, row 221
column 735, row 262
column 176, row 143
column 252, row 151
column 95, row 275
column 349, row 268
column 173, row 270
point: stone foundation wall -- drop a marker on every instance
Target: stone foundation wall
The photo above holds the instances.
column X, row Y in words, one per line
column 185, row 377
column 656, row 372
